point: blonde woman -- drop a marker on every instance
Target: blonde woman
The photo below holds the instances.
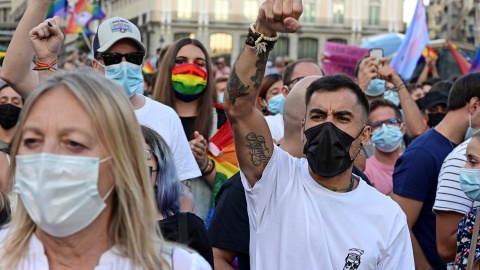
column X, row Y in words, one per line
column 85, row 199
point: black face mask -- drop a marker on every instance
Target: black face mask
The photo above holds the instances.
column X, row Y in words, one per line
column 9, row 115
column 435, row 118
column 328, row 149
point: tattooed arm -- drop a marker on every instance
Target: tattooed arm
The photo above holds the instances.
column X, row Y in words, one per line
column 253, row 140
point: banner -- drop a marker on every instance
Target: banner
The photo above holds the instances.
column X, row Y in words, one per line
column 341, row 58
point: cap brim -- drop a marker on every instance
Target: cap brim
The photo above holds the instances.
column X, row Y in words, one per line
column 434, row 103
column 110, row 43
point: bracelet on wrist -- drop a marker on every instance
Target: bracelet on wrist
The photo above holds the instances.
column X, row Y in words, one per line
column 259, row 41
column 43, row 66
column 209, row 170
column 398, row 87
column 206, row 166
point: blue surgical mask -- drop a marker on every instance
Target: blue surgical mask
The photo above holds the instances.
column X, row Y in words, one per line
column 470, row 183
column 60, row 192
column 392, row 96
column 128, row 75
column 275, row 104
column 470, row 130
column 387, row 138
column 220, row 98
column 375, row 88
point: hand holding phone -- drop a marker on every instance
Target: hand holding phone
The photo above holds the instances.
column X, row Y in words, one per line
column 378, row 53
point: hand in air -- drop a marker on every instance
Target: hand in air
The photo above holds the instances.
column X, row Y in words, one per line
column 47, row 39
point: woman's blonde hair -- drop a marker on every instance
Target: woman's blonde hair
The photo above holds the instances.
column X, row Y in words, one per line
column 132, row 225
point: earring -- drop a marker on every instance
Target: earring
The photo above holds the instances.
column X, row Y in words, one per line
column 264, row 109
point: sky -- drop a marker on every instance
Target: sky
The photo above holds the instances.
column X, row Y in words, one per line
column 409, row 9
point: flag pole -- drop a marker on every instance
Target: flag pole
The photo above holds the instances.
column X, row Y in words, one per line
column 457, row 26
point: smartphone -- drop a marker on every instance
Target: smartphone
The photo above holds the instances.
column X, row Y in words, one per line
column 378, row 53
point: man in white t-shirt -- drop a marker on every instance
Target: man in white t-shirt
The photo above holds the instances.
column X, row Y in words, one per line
column 118, row 54
column 310, row 213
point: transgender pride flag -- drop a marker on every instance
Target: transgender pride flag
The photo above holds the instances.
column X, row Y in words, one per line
column 412, row 46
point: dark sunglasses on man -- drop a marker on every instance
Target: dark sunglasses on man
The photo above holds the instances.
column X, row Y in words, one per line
column 116, row 58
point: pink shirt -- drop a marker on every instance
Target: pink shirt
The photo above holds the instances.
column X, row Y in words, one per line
column 380, row 175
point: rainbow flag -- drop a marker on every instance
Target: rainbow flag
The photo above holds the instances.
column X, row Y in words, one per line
column 416, row 38
column 58, row 8
column 222, row 151
column 476, row 62
column 147, row 68
column 83, row 14
column 429, row 51
column 461, row 60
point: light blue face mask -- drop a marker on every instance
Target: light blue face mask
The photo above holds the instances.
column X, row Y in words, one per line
column 387, row 138
column 470, row 183
column 392, row 96
column 128, row 75
column 470, row 130
column 275, row 104
column 220, row 98
column 375, row 88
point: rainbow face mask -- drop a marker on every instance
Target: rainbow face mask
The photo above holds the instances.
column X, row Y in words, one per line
column 189, row 82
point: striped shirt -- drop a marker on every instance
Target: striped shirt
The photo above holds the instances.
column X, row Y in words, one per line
column 450, row 196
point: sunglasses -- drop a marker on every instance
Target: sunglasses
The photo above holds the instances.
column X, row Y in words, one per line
column 295, row 80
column 388, row 122
column 116, row 58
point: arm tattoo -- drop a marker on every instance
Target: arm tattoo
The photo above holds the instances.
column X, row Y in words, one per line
column 235, row 87
column 188, row 185
column 259, row 73
column 258, row 149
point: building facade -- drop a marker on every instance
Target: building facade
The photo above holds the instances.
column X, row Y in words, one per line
column 221, row 25
column 7, row 24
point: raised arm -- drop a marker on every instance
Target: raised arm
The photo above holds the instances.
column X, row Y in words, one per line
column 17, row 65
column 413, row 117
column 253, row 140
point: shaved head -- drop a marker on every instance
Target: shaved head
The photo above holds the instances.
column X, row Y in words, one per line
column 294, row 108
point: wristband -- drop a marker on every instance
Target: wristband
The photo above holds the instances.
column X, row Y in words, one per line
column 209, row 170
column 259, row 41
column 398, row 87
column 49, row 67
column 206, row 166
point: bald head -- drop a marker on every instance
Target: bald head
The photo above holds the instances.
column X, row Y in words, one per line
column 294, row 108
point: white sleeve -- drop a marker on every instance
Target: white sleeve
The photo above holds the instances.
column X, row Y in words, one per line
column 450, row 196
column 184, row 260
column 399, row 255
column 187, row 167
column 277, row 180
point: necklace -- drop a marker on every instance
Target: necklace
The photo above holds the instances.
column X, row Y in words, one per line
column 347, row 189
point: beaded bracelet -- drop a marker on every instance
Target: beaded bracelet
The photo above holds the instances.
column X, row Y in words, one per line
column 259, row 41
column 209, row 170
column 42, row 66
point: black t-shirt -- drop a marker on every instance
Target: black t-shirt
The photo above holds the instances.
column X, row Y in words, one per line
column 229, row 225
column 229, row 228
column 188, row 122
column 198, row 238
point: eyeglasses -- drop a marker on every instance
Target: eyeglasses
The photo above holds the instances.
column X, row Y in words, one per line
column 151, row 170
column 148, row 154
column 296, row 79
column 116, row 58
column 388, row 122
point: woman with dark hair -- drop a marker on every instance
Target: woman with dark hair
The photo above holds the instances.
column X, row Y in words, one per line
column 270, row 98
column 176, row 226
column 186, row 83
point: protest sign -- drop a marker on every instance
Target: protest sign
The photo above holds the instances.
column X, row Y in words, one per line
column 341, row 58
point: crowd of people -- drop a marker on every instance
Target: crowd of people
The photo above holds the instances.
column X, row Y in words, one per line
column 267, row 164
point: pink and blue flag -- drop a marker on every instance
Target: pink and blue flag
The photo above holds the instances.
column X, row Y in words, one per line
column 58, row 8
column 416, row 38
column 476, row 62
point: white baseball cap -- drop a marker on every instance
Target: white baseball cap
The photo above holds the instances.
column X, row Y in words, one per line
column 112, row 30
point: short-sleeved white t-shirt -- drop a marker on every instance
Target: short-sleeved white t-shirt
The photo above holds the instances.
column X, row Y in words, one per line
column 450, row 196
column 275, row 124
column 165, row 121
column 297, row 224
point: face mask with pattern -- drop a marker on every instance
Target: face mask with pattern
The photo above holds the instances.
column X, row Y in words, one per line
column 189, row 82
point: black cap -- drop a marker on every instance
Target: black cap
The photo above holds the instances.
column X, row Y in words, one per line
column 433, row 98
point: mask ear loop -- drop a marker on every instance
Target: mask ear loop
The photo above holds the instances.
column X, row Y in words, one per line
column 111, row 189
column 360, row 146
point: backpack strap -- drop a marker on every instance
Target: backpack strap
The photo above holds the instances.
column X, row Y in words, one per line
column 182, row 228
column 473, row 242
